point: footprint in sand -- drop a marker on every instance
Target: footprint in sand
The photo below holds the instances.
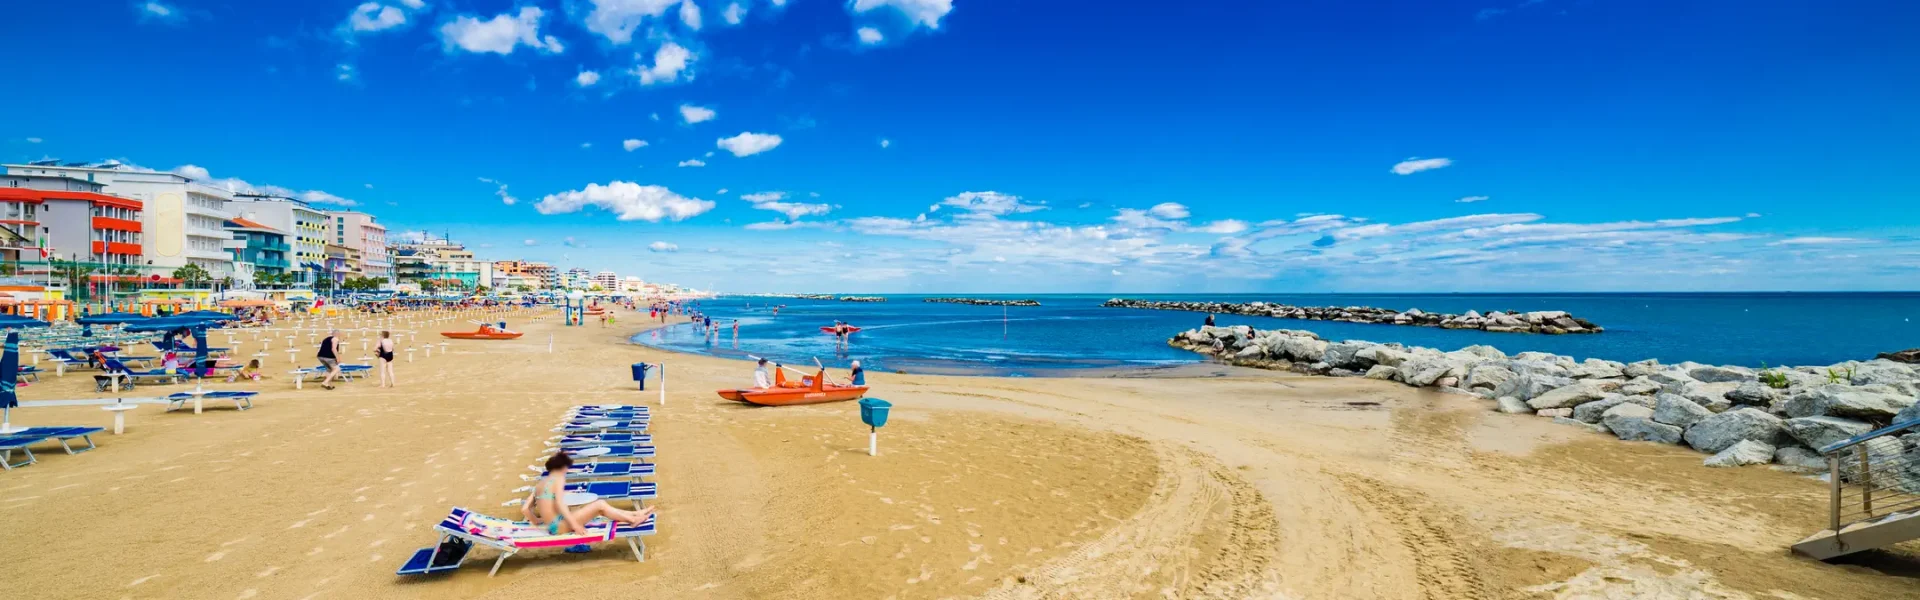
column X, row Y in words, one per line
column 216, row 556
column 249, row 593
column 143, row 580
column 316, row 550
column 267, row 573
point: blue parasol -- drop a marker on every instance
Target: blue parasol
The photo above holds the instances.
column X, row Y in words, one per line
column 19, row 322
column 165, row 324
column 209, row 315
column 9, row 381
column 112, row 318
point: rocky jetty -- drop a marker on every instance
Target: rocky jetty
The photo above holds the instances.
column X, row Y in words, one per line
column 1544, row 321
column 1910, row 356
column 1739, row 415
column 863, row 299
column 984, row 301
column 804, row 296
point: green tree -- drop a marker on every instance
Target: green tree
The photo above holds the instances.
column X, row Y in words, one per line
column 191, row 275
column 323, row 284
column 73, row 273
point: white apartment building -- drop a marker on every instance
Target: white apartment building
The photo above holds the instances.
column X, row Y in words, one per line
column 607, row 280
column 307, row 229
column 183, row 220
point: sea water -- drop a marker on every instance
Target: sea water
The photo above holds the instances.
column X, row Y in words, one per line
column 1075, row 332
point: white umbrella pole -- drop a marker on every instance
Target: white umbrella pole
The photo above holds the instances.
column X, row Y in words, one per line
column 663, row 384
column 6, row 421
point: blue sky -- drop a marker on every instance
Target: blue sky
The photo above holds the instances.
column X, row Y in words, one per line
column 1061, row 146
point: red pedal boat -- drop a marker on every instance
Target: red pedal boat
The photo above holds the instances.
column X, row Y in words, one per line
column 812, row 390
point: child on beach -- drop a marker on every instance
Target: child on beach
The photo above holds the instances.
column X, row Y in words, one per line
column 251, row 372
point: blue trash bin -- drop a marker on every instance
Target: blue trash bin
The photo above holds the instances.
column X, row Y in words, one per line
column 640, row 374
column 873, row 412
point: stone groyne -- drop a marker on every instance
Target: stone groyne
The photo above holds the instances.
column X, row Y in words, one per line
column 863, row 299
column 1739, row 415
column 1545, row 321
column 984, row 301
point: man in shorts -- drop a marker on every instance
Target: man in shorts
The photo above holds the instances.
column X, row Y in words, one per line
column 330, row 358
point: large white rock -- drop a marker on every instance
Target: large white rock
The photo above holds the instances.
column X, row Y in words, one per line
column 1678, row 411
column 1845, row 401
column 1722, row 374
column 1382, row 372
column 1819, row 432
column 1528, row 385
column 1634, row 422
column 1746, row 452
column 1723, row 430
column 1382, row 355
column 1513, row 406
column 1488, row 375
column 1574, row 395
column 1595, row 368
column 1800, row 459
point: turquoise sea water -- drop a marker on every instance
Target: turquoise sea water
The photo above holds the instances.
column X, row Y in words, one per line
column 1073, row 331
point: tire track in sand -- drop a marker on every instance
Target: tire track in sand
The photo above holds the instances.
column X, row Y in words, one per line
column 1443, row 569
column 1153, row 553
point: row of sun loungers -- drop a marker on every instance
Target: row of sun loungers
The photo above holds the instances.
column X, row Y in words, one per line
column 593, row 434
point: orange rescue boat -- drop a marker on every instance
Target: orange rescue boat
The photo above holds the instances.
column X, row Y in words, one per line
column 812, row 390
column 486, row 332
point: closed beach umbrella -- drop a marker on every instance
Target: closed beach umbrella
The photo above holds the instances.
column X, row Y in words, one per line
column 9, row 381
column 209, row 315
column 200, row 364
column 19, row 322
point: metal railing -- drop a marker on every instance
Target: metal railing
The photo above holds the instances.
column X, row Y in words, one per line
column 1874, row 475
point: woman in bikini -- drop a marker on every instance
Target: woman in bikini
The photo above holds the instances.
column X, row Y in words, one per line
column 543, row 505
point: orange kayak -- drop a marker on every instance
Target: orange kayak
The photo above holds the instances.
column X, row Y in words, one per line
column 791, row 396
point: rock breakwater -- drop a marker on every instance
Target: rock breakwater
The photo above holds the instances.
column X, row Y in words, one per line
column 863, row 299
column 1738, row 414
column 984, row 301
column 1544, row 321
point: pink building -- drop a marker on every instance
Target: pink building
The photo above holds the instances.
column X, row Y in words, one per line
column 357, row 230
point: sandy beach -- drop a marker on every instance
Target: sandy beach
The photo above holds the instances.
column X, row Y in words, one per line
column 1210, row 482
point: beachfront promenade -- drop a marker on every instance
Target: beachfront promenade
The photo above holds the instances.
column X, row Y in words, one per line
column 1247, row 484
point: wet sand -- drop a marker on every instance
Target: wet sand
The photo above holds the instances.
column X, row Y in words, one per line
column 1230, row 484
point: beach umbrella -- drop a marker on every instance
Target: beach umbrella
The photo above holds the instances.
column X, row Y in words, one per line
column 9, row 381
column 200, row 363
column 209, row 315
column 112, row 318
column 19, row 322
column 165, row 324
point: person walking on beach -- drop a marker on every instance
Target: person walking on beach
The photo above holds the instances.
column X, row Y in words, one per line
column 330, row 358
column 385, row 352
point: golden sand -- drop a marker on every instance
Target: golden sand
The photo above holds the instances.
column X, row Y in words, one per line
column 1248, row 485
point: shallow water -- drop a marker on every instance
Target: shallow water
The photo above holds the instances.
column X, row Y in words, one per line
column 1074, row 332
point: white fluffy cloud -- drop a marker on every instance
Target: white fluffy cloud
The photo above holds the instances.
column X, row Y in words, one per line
column 886, row 143
column 160, row 12
column 748, row 143
column 663, row 247
column 374, row 16
column 988, row 203
column 505, row 198
column 587, row 78
column 500, row 34
column 1816, row 241
column 1170, row 210
column 34, row 140
column 1416, row 165
column 690, row 14
column 924, row 13
column 628, row 201
column 631, row 145
column 869, row 35
column 669, row 61
column 775, row 201
column 734, row 14
column 692, row 162
column 1472, row 199
column 617, row 19
column 241, row 186
column 696, row 114
column 530, row 242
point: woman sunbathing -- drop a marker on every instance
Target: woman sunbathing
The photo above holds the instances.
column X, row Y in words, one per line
column 543, row 505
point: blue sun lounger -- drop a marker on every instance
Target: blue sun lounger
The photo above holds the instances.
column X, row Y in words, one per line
column 114, row 365
column 462, row 529
column 615, row 427
column 602, row 439
column 619, row 416
column 601, row 410
column 22, row 439
column 29, row 372
column 627, row 451
column 241, row 400
column 605, row 470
